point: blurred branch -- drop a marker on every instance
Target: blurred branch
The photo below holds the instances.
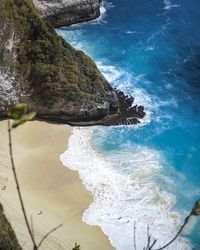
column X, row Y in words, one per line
column 194, row 212
column 149, row 244
column 134, row 236
column 77, row 247
column 47, row 235
column 179, row 232
column 18, row 186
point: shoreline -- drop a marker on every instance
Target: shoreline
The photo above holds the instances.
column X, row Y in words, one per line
column 52, row 193
column 127, row 113
column 119, row 197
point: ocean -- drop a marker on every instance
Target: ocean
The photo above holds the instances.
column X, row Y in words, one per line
column 144, row 176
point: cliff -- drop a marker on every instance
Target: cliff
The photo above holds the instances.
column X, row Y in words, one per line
column 66, row 12
column 8, row 239
column 60, row 83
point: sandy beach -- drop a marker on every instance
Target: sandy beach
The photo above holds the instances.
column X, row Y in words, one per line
column 52, row 193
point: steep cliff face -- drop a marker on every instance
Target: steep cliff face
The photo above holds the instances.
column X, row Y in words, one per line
column 66, row 12
column 8, row 240
column 60, row 83
column 46, row 72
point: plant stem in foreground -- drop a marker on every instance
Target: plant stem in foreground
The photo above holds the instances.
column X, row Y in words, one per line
column 18, row 186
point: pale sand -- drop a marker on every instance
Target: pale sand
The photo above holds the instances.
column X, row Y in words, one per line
column 47, row 186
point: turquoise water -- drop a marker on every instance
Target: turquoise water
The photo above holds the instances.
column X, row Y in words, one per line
column 151, row 50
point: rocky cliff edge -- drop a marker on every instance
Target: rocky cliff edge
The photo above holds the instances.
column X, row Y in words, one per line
column 60, row 83
column 67, row 12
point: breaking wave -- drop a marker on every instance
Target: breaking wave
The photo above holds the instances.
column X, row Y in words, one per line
column 125, row 193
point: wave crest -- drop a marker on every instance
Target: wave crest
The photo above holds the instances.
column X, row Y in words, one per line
column 124, row 195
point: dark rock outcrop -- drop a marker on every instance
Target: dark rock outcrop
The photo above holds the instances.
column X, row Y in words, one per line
column 67, row 12
column 8, row 240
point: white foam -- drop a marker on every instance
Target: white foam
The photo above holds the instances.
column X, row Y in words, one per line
column 105, row 6
column 101, row 19
column 133, row 85
column 110, row 72
column 103, row 13
column 120, row 79
column 130, row 84
column 149, row 48
column 129, row 32
column 168, row 5
column 124, row 193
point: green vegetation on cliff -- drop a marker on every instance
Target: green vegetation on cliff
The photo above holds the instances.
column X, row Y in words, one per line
column 8, row 239
column 50, row 74
column 60, row 83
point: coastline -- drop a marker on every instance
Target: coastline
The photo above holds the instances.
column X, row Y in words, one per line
column 66, row 12
column 119, row 196
column 52, row 193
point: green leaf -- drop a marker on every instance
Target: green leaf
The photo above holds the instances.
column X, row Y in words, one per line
column 24, row 118
column 15, row 112
column 196, row 208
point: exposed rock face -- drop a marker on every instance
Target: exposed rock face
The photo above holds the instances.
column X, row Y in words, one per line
column 51, row 76
column 8, row 240
column 8, row 93
column 58, row 82
column 66, row 12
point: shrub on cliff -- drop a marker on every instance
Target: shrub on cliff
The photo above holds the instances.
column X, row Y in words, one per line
column 8, row 239
column 49, row 72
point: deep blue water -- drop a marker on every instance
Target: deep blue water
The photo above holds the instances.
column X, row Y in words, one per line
column 151, row 50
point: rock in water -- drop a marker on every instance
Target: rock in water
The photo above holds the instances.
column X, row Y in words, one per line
column 66, row 12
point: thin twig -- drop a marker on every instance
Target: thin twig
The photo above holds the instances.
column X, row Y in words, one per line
column 148, row 238
column 18, row 186
column 149, row 245
column 47, row 235
column 32, row 227
column 134, row 237
column 179, row 232
column 154, row 242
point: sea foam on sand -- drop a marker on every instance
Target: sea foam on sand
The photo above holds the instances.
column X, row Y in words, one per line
column 124, row 198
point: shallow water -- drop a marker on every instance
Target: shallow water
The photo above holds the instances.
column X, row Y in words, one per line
column 149, row 174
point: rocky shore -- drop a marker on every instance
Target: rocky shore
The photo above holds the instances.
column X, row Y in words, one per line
column 66, row 12
column 127, row 114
